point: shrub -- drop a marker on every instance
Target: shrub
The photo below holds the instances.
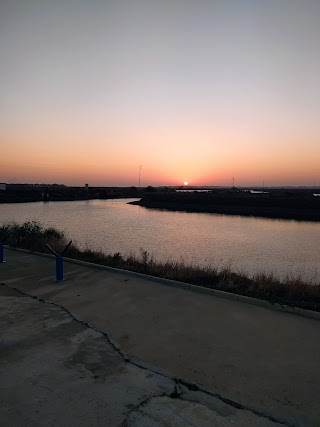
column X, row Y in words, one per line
column 31, row 235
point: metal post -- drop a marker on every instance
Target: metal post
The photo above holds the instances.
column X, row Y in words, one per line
column 59, row 261
column 1, row 253
column 59, row 268
column 2, row 241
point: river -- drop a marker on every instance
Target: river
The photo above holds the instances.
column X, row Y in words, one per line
column 246, row 244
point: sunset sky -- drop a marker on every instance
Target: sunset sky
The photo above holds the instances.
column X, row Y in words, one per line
column 198, row 91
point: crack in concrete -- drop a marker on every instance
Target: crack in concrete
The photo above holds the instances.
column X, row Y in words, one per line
column 234, row 404
column 139, row 406
column 177, row 392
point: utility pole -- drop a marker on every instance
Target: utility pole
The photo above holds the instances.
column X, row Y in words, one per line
column 140, row 167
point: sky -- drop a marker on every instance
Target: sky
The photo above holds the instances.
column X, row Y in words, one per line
column 201, row 91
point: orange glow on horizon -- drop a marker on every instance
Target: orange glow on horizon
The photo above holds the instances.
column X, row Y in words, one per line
column 207, row 157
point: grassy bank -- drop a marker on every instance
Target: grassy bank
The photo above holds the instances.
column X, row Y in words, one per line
column 291, row 291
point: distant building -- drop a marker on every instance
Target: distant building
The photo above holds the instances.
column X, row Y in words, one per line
column 3, row 186
column 86, row 188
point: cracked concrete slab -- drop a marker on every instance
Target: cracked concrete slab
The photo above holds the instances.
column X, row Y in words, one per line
column 57, row 371
column 248, row 357
column 165, row 411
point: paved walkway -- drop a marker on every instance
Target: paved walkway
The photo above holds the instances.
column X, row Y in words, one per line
column 248, row 357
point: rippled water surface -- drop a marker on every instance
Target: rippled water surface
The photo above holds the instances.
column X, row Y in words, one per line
column 247, row 244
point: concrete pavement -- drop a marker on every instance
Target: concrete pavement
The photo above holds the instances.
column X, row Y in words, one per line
column 248, row 357
column 56, row 371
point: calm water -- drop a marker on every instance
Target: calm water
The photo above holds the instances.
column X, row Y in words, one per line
column 247, row 244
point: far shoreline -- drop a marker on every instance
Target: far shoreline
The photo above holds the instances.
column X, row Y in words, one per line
column 236, row 211
column 295, row 206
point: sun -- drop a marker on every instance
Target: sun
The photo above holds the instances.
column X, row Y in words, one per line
column 185, row 183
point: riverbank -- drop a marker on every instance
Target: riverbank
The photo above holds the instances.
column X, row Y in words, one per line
column 300, row 205
column 292, row 291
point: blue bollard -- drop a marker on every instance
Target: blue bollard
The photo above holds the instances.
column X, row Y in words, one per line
column 59, row 261
column 1, row 253
column 59, row 268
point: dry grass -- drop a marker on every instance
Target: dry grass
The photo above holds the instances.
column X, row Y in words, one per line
column 292, row 291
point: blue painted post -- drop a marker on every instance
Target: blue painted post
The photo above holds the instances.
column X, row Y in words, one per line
column 59, row 268
column 59, row 261
column 1, row 252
